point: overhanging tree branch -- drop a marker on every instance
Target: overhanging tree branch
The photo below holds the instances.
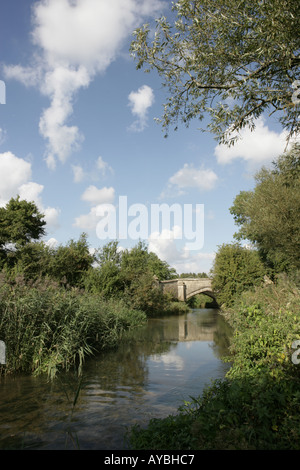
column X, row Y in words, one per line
column 247, row 51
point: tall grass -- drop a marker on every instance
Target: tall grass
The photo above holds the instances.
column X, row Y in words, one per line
column 47, row 328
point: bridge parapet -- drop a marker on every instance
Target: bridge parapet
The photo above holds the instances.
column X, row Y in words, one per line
column 184, row 288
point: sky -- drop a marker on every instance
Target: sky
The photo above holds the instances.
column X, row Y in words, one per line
column 78, row 136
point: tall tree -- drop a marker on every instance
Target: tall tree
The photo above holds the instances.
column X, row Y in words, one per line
column 230, row 59
column 235, row 270
column 70, row 263
column 269, row 216
column 20, row 223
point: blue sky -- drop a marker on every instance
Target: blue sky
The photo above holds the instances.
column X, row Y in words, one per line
column 77, row 129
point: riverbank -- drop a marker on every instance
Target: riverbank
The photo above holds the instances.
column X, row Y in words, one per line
column 257, row 405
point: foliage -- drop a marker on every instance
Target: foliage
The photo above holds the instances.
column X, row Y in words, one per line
column 232, row 60
column 67, row 264
column 56, row 308
column 131, row 275
column 229, row 415
column 257, row 405
column 20, row 223
column 104, row 278
column 138, row 259
column 193, row 275
column 268, row 216
column 235, row 270
column 32, row 261
column 266, row 322
column 201, row 301
column 70, row 263
column 47, row 328
column 170, row 433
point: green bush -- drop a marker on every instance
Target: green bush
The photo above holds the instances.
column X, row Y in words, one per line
column 266, row 322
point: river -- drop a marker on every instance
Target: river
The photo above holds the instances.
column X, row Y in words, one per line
column 152, row 372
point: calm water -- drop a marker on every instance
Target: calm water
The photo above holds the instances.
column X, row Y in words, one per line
column 152, row 372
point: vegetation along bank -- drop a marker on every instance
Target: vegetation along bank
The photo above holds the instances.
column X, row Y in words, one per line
column 257, row 405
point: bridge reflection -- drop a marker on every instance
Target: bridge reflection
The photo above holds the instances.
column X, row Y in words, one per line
column 201, row 325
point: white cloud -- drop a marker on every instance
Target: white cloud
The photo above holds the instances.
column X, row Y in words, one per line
column 103, row 166
column 51, row 217
column 190, row 177
column 75, row 40
column 31, row 192
column 256, row 148
column 140, row 101
column 194, row 262
column 164, row 245
column 78, row 173
column 88, row 222
column 169, row 360
column 98, row 196
column 100, row 166
column 15, row 175
column 52, row 243
column 28, row 76
column 14, row 172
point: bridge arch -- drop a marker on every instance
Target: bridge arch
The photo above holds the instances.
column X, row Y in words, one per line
column 201, row 291
column 185, row 288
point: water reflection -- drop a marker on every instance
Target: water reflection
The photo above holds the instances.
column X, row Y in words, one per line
column 153, row 370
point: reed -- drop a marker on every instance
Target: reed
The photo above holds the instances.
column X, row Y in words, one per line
column 47, row 328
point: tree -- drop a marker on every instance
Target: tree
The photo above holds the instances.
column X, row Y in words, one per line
column 70, row 263
column 235, row 269
column 105, row 278
column 33, row 261
column 230, row 59
column 130, row 274
column 138, row 260
column 20, row 223
column 268, row 216
column 193, row 275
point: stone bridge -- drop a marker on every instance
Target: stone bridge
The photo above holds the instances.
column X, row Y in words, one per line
column 184, row 288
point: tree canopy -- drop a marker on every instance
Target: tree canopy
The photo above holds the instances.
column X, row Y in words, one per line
column 20, row 223
column 230, row 59
column 268, row 216
column 236, row 269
